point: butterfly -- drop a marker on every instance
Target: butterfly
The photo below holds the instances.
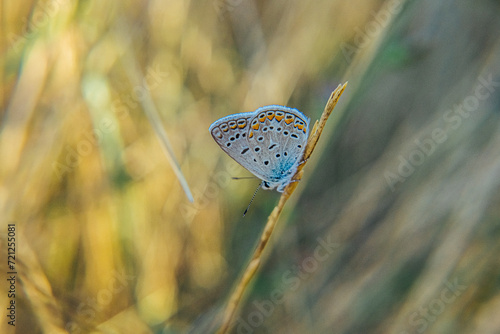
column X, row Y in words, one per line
column 269, row 142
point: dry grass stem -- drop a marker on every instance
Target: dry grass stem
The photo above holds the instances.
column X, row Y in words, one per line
column 255, row 261
column 149, row 108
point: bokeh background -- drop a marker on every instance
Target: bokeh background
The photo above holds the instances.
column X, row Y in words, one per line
column 395, row 227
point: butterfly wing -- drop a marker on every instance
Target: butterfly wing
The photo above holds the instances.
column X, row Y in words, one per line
column 269, row 142
column 279, row 135
column 231, row 134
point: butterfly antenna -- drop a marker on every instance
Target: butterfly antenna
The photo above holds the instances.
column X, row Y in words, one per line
column 255, row 193
column 244, row 177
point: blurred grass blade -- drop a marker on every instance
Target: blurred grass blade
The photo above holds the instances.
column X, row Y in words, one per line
column 149, row 108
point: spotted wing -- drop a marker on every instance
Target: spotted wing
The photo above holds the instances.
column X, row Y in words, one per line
column 231, row 134
column 269, row 142
column 278, row 136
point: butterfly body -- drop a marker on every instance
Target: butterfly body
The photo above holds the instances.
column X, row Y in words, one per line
column 269, row 142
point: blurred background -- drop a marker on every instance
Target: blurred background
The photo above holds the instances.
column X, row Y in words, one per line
column 394, row 228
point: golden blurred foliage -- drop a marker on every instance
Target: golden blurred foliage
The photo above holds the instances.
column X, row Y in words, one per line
column 395, row 227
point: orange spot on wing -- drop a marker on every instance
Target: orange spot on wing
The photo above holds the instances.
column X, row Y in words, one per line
column 250, row 135
column 279, row 118
column 255, row 126
column 242, row 123
column 288, row 120
column 271, row 116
